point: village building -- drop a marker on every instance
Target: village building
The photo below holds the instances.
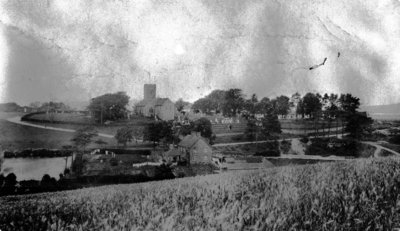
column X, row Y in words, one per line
column 151, row 106
column 193, row 149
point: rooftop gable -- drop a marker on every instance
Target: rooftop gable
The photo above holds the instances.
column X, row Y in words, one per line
column 173, row 152
column 190, row 140
column 161, row 101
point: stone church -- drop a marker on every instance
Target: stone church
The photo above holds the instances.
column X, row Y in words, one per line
column 151, row 106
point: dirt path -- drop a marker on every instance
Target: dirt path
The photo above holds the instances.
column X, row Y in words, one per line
column 379, row 148
column 229, row 134
column 17, row 120
column 263, row 141
column 374, row 144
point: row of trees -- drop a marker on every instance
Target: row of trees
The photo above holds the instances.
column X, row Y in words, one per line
column 233, row 102
column 109, row 107
column 329, row 107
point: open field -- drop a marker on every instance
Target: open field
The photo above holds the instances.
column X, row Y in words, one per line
column 105, row 129
column 350, row 195
column 18, row 137
column 62, row 117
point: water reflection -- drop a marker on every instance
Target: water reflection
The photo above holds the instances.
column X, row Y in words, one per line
column 35, row 168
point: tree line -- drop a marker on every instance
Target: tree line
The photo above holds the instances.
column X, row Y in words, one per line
column 262, row 115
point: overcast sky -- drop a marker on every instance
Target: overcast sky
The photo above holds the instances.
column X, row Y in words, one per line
column 67, row 50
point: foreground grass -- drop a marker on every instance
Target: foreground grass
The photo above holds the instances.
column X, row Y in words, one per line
column 353, row 195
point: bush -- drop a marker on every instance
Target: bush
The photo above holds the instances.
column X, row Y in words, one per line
column 304, row 139
column 395, row 139
column 254, row 159
column 268, row 153
column 113, row 162
column 327, row 147
column 286, row 146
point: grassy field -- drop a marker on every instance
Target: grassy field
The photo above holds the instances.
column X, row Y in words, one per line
column 351, row 195
column 17, row 137
column 64, row 117
column 106, row 129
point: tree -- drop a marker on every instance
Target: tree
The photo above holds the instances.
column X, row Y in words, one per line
column 270, row 125
column 124, row 135
column 2, row 179
column 300, row 109
column 203, row 125
column 159, row 131
column 47, row 181
column 311, row 104
column 349, row 103
column 217, row 98
column 294, row 100
column 109, row 107
column 213, row 101
column 83, row 137
column 203, row 104
column 167, row 132
column 332, row 110
column 263, row 106
column 180, row 104
column 358, row 124
column 250, row 105
column 282, row 105
column 251, row 129
column 348, row 106
column 234, row 102
column 10, row 181
column 185, row 129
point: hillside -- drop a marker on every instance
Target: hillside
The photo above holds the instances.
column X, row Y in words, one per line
column 353, row 195
column 10, row 107
column 382, row 109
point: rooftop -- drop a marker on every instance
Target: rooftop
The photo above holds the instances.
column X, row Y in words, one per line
column 190, row 140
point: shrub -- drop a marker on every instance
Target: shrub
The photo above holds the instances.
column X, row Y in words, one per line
column 327, row 147
column 286, row 146
column 268, row 153
column 395, row 139
column 113, row 162
column 304, row 139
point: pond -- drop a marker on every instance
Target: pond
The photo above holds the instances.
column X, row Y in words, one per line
column 35, row 168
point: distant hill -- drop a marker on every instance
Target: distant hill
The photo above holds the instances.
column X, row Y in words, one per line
column 387, row 109
column 10, row 107
column 387, row 112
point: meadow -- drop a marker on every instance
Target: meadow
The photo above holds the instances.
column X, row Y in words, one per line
column 20, row 137
column 350, row 195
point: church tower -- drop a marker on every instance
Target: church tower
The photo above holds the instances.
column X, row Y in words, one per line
column 149, row 92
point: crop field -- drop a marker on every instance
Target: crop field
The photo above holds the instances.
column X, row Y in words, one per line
column 351, row 195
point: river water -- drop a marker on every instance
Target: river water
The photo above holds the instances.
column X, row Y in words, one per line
column 35, row 168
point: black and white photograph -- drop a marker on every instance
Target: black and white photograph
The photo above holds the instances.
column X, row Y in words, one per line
column 200, row 115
